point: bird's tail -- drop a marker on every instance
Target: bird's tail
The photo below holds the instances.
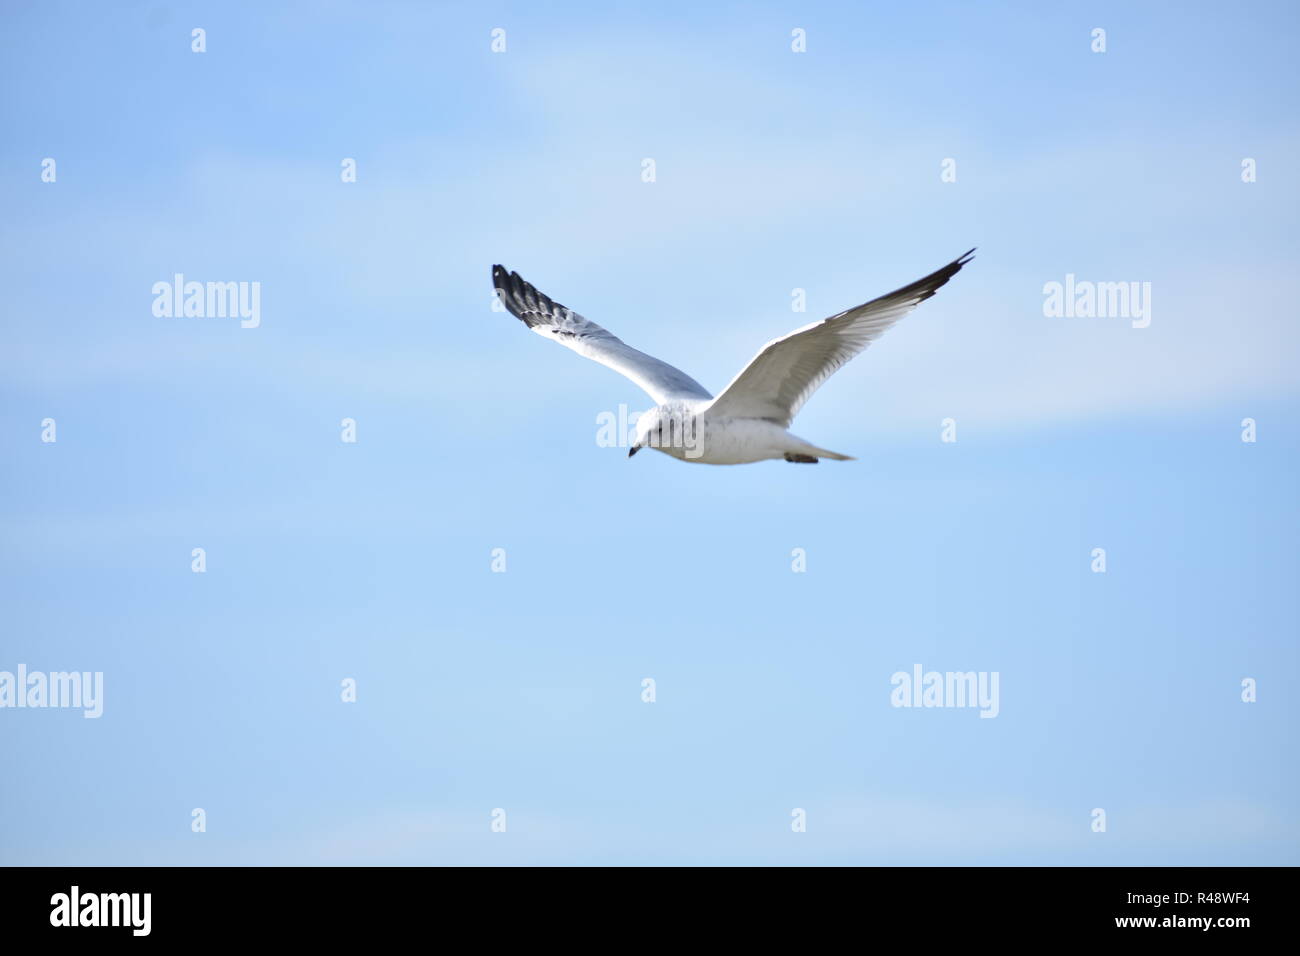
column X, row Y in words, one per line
column 801, row 450
column 833, row 455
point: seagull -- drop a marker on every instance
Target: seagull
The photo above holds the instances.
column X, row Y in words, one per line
column 748, row 421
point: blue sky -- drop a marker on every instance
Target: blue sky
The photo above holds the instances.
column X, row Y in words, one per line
column 522, row 690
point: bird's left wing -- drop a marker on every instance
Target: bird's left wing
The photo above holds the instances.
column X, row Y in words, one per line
column 553, row 321
column 786, row 371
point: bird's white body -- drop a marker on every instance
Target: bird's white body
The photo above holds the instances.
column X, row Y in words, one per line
column 748, row 420
column 687, row 431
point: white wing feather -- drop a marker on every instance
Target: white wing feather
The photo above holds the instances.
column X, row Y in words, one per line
column 551, row 320
column 786, row 371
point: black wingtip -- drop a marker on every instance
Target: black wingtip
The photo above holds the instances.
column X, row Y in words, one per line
column 502, row 285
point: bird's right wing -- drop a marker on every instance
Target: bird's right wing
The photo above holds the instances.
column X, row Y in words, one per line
column 786, row 371
column 551, row 320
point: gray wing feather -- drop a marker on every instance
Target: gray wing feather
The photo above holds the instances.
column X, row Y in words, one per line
column 786, row 371
column 551, row 320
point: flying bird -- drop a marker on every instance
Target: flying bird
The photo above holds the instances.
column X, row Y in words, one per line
column 748, row 422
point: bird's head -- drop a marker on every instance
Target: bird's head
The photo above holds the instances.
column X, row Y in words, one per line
column 647, row 423
column 672, row 429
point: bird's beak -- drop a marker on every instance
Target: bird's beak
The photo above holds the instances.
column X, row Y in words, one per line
column 633, row 450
